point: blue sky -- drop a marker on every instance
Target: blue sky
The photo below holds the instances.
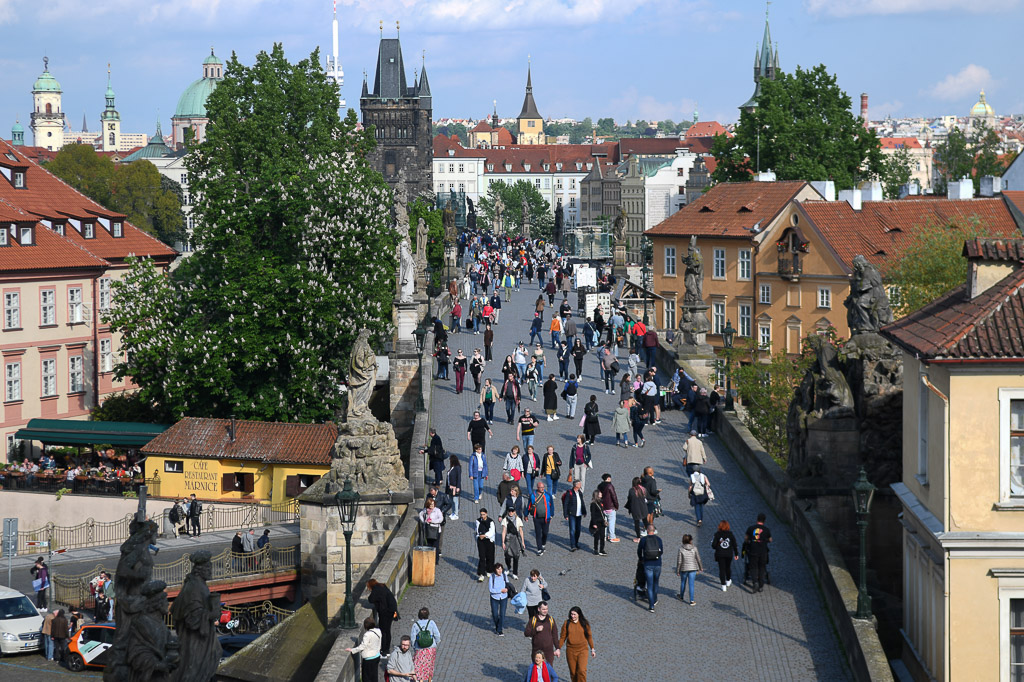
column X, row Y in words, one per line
column 628, row 59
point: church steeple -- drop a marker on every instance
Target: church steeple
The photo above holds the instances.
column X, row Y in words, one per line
column 110, row 121
column 766, row 63
column 529, row 122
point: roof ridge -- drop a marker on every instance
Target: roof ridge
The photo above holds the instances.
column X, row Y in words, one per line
column 999, row 298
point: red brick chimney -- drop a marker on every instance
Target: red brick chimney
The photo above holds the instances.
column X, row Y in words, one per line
column 864, row 108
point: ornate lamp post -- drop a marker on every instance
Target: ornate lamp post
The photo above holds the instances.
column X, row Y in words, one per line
column 727, row 335
column 863, row 493
column 347, row 500
column 421, row 334
column 647, row 250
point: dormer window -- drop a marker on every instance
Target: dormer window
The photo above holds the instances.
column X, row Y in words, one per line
column 579, row 165
column 3, row 237
column 59, row 229
column 490, row 168
column 558, row 166
column 118, row 230
column 547, row 166
column 19, row 179
column 88, row 231
column 527, row 167
column 11, row 156
column 26, row 237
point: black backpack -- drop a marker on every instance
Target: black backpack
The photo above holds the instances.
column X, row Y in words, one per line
column 651, row 550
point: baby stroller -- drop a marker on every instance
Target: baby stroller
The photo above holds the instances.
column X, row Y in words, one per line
column 747, row 578
column 640, row 582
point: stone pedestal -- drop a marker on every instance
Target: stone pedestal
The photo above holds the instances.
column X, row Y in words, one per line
column 451, row 264
column 692, row 342
column 404, row 386
column 406, row 320
column 619, row 259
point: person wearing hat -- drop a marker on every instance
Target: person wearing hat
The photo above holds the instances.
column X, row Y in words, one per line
column 695, row 455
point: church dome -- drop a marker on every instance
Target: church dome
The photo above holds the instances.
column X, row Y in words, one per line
column 17, row 127
column 982, row 108
column 192, row 103
column 212, row 59
column 46, row 83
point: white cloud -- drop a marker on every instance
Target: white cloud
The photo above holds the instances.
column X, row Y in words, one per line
column 849, row 8
column 632, row 106
column 968, row 81
column 880, row 111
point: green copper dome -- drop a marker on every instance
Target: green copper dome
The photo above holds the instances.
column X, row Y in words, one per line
column 17, row 127
column 46, row 83
column 212, row 59
column 192, row 103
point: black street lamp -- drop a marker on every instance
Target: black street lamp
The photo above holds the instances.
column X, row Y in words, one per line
column 347, row 500
column 863, row 493
column 727, row 335
column 421, row 334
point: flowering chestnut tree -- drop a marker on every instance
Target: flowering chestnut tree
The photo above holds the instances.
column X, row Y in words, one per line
column 294, row 252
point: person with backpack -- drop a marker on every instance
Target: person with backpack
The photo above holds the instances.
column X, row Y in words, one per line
column 435, row 452
column 757, row 538
column 726, row 552
column 638, row 418
column 385, row 609
column 457, row 318
column 511, row 394
column 700, row 494
column 542, row 630
column 570, row 393
column 636, row 505
column 498, row 587
column 425, row 638
column 542, row 508
column 649, row 551
column 177, row 516
column 195, row 511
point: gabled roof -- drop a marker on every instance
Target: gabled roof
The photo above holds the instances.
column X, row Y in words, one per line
column 49, row 250
column 46, row 196
column 705, row 129
column 955, row 327
column 262, row 441
column 881, row 230
column 730, row 209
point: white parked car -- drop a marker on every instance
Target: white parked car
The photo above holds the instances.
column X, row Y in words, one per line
column 20, row 623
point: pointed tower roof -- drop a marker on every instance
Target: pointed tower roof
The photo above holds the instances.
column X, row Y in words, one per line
column 529, row 106
column 423, row 87
column 85, row 124
column 765, row 58
column 389, row 79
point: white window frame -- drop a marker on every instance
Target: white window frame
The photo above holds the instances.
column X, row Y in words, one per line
column 451, row 167
column 19, row 180
column 106, row 355
column 743, row 264
column 118, row 229
column 670, row 261
column 88, row 230
column 1005, row 496
column 12, row 376
column 105, row 293
column 1010, row 586
column 76, row 374
column 764, row 336
column 670, row 313
column 825, row 297
column 48, row 368
column 765, row 293
column 4, row 237
column 25, row 237
column 718, row 322
column 718, row 263
column 12, row 310
column 745, row 316
column 75, row 304
column 47, row 309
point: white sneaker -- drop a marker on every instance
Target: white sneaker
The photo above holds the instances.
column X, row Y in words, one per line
column 729, row 582
column 723, row 588
column 454, row 517
column 556, row 416
column 550, row 419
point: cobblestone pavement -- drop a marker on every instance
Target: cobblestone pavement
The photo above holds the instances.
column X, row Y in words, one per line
column 783, row 633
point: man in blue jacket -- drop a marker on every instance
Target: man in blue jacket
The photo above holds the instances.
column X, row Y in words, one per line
column 541, row 508
column 535, row 328
column 649, row 551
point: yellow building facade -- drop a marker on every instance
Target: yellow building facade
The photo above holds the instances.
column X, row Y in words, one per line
column 236, row 460
column 963, row 474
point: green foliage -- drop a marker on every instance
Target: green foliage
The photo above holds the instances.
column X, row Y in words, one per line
column 932, row 264
column 129, row 495
column 605, row 126
column 61, row 492
column 806, row 133
column 135, row 189
column 968, row 156
column 895, row 172
column 294, row 253
column 541, row 214
column 128, row 407
column 453, row 129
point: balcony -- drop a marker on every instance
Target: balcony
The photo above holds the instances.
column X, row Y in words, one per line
column 790, row 268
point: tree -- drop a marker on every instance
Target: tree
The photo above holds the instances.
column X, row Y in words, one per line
column 606, row 126
column 895, row 172
column 667, row 126
column 542, row 218
column 295, row 252
column 931, row 264
column 135, row 189
column 953, row 159
column 802, row 129
column 421, row 208
column 129, row 407
column 985, row 144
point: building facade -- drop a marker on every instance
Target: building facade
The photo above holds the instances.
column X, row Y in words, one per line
column 401, row 119
column 47, row 120
column 963, row 473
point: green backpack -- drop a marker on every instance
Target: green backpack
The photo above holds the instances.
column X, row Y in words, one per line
column 424, row 639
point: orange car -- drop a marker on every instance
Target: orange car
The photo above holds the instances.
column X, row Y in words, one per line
column 88, row 647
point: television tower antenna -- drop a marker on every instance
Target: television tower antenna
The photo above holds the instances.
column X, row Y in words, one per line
column 334, row 70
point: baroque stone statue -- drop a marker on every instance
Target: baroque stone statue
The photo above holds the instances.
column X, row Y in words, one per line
column 471, row 215
column 619, row 227
column 451, row 234
column 867, row 306
column 499, row 212
column 195, row 610
column 421, row 240
column 401, row 204
column 406, row 272
column 362, row 374
column 559, row 222
column 154, row 648
column 526, row 218
column 694, row 279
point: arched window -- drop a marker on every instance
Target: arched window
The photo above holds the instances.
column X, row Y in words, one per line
column 111, row 139
column 49, row 108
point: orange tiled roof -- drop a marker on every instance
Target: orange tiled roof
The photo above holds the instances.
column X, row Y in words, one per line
column 881, row 230
column 649, row 145
column 899, row 142
column 730, row 209
column 706, row 129
column 46, row 196
column 552, row 154
column 1015, row 197
column 263, row 441
column 50, row 251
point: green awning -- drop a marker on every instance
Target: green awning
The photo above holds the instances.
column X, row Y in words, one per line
column 71, row 432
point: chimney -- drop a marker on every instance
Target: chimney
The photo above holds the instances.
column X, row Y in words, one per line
column 852, row 197
column 766, row 176
column 960, row 189
column 231, row 429
column 825, row 188
column 864, row 108
column 991, row 185
column 872, row 191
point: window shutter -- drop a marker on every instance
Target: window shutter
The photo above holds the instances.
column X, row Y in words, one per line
column 248, row 482
column 227, row 483
column 292, row 486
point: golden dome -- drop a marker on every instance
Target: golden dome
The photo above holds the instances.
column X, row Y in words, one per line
column 982, row 108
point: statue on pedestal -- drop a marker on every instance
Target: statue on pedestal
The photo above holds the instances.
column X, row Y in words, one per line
column 619, row 228
column 421, row 241
column 451, row 234
column 362, row 375
column 406, row 272
column 867, row 306
column 694, row 278
column 471, row 216
column 154, row 648
column 499, row 211
column 401, row 205
column 195, row 610
column 526, row 218
column 693, row 321
column 559, row 222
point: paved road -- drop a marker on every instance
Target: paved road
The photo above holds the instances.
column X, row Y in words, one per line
column 781, row 634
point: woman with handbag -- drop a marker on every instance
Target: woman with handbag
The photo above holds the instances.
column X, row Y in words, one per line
column 431, row 517
column 476, row 368
column 369, row 651
column 700, row 494
column 552, row 469
column 598, row 523
column 580, row 460
column 636, row 505
column 453, row 480
column 512, row 540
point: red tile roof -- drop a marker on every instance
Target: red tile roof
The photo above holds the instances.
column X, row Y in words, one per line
column 1010, row 250
column 955, row 327
column 263, row 441
column 899, row 142
column 881, row 230
column 711, row 163
column 49, row 250
column 46, row 196
column 552, row 154
column 662, row 146
column 1016, row 199
column 706, row 129
column 730, row 209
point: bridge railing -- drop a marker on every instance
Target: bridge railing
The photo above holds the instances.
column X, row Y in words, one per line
column 74, row 590
column 92, row 533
